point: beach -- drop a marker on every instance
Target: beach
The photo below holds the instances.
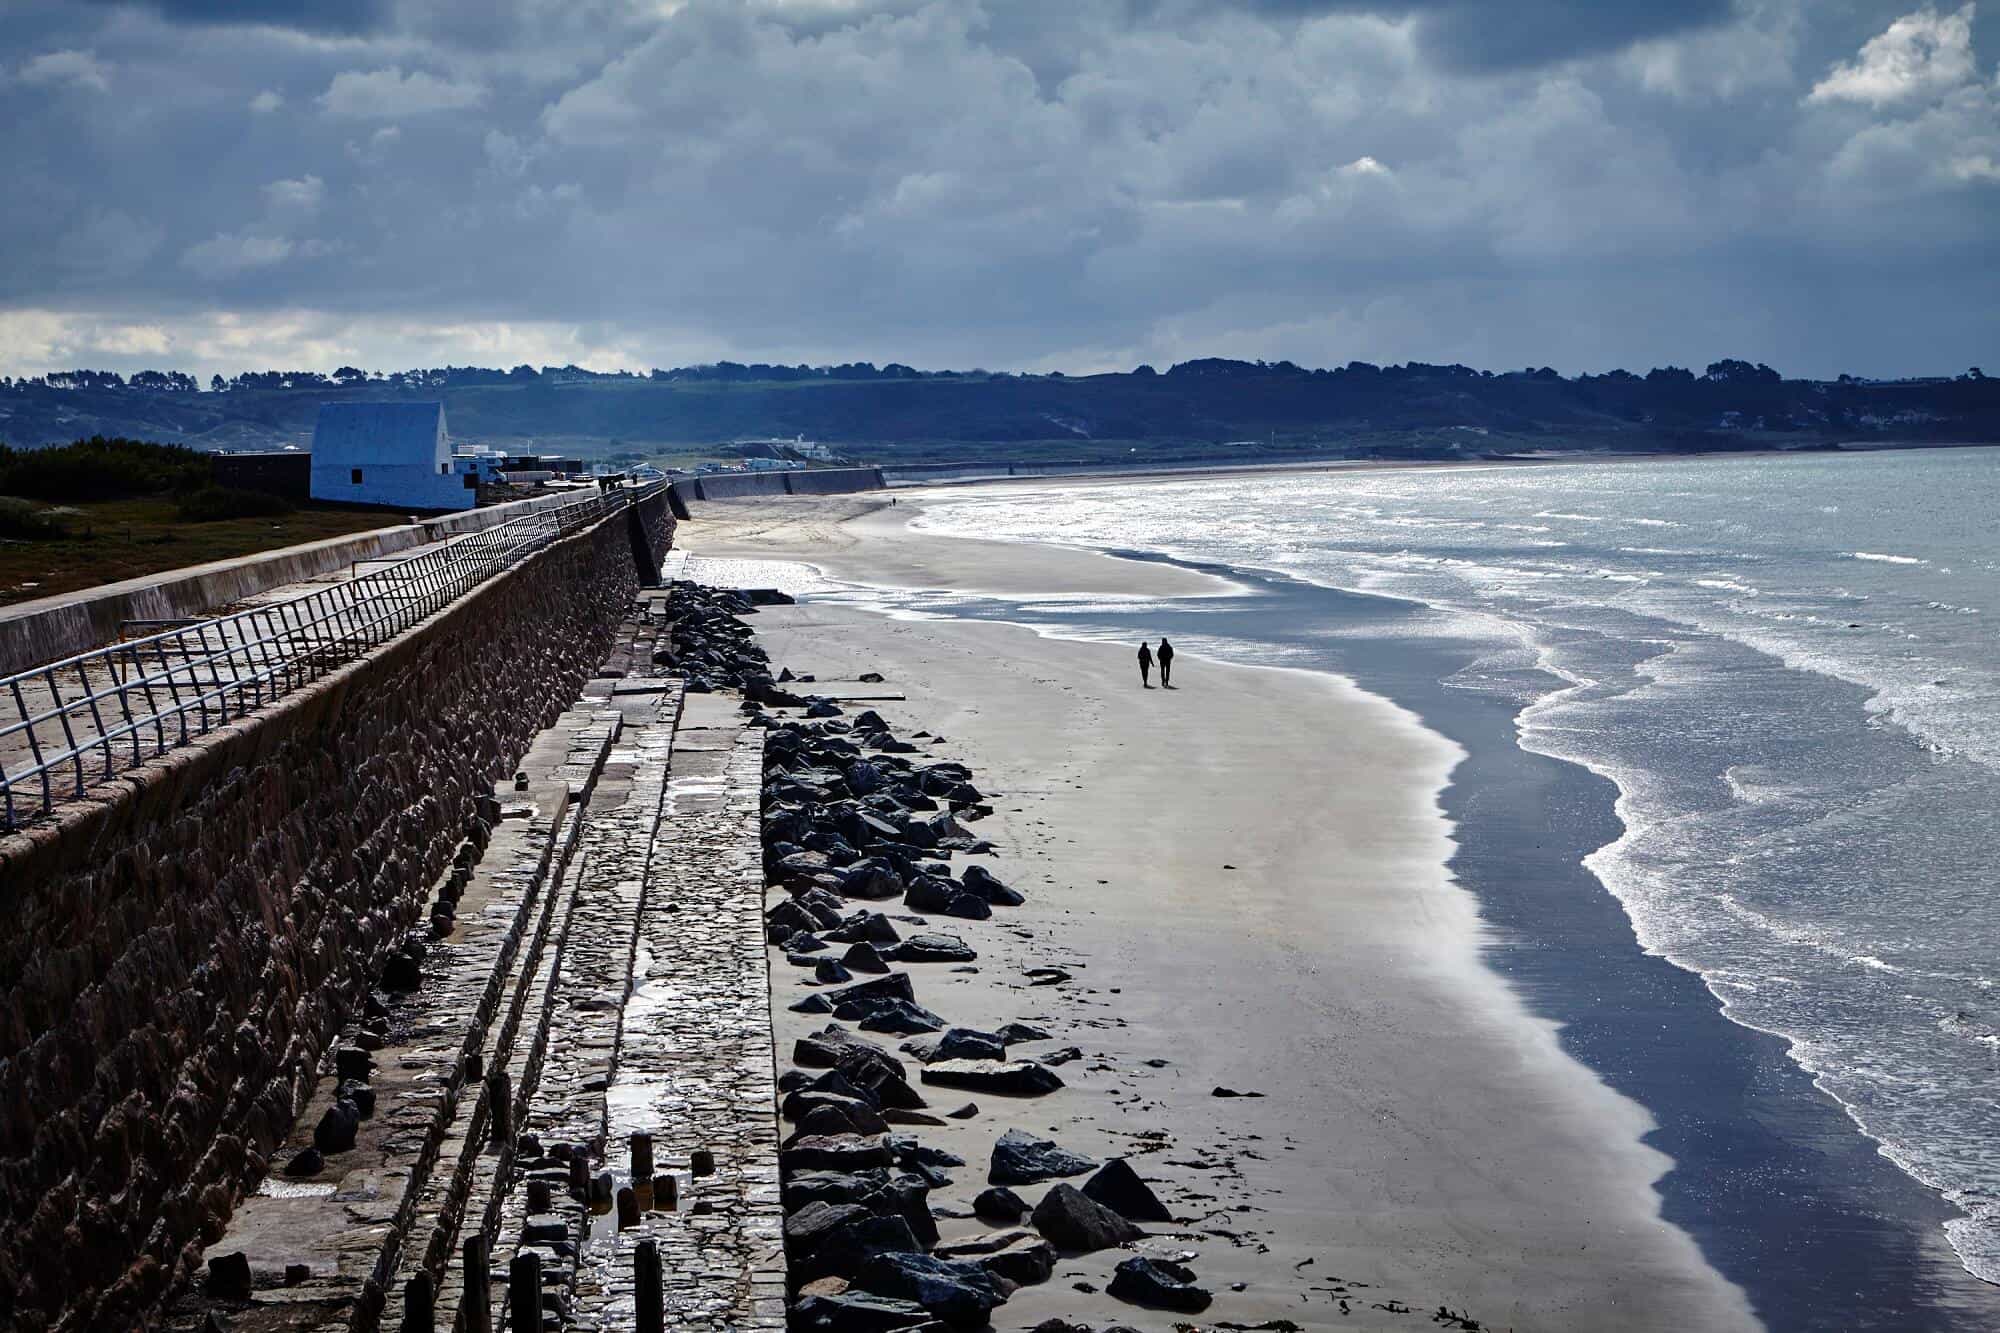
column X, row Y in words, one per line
column 1246, row 879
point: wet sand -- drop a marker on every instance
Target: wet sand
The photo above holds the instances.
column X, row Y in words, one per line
column 1246, row 879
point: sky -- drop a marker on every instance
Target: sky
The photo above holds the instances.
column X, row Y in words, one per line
column 221, row 185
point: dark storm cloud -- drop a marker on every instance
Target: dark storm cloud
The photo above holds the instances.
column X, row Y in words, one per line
column 1491, row 34
column 323, row 16
column 1081, row 183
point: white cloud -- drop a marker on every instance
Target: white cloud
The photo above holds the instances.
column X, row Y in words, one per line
column 1919, row 54
column 1975, row 167
column 389, row 94
column 81, row 69
column 232, row 254
column 374, row 150
column 266, row 102
column 295, row 198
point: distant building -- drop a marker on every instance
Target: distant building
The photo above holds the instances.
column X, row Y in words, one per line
column 391, row 454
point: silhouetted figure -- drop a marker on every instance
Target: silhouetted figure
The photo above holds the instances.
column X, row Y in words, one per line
column 1166, row 664
column 1145, row 666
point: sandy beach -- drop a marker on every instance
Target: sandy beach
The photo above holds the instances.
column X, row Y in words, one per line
column 1245, row 879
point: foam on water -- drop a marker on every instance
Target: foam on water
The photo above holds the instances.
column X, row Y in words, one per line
column 1799, row 702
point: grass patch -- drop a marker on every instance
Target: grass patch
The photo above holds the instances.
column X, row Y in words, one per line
column 121, row 539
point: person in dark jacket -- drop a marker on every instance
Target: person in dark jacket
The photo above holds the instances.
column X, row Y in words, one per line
column 1166, row 656
column 1145, row 666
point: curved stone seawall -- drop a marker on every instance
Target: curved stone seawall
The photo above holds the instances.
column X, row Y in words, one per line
column 176, row 956
column 801, row 481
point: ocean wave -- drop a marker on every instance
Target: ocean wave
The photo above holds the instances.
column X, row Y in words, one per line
column 1879, row 558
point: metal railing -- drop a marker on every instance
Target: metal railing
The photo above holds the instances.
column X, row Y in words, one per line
column 70, row 725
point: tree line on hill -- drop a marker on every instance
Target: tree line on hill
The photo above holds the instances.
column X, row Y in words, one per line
column 894, row 413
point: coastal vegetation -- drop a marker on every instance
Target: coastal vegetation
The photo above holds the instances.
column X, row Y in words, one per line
column 103, row 509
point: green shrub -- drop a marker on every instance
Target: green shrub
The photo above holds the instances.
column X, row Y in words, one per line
column 22, row 521
column 212, row 503
column 101, row 469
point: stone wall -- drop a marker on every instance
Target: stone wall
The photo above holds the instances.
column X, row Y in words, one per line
column 799, row 481
column 177, row 955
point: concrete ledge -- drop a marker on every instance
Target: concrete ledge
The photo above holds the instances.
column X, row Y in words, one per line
column 51, row 628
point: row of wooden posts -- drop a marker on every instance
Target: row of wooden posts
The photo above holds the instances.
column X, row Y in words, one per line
column 524, row 1274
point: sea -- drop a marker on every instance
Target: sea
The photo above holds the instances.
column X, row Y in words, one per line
column 1746, row 851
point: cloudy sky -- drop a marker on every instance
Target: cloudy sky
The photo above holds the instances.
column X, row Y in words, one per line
column 1078, row 184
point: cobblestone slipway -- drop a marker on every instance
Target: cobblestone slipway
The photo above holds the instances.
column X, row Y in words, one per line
column 590, row 1042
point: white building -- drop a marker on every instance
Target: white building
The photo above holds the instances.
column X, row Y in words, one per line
column 391, row 454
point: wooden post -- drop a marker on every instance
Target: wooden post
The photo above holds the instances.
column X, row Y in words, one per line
column 524, row 1293
column 476, row 1307
column 642, row 1156
column 499, row 1106
column 419, row 1304
column 647, row 1285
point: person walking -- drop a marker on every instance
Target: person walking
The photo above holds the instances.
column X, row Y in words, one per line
column 1145, row 666
column 1166, row 656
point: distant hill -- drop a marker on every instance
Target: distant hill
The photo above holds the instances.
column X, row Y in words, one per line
column 1198, row 409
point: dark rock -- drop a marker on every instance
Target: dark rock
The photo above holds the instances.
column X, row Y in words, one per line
column 961, row 1294
column 307, row 1162
column 1021, row 1257
column 872, row 877
column 1019, row 1158
column 337, row 1127
column 804, row 941
column 871, row 927
column 933, row 949
column 1077, row 1224
column 363, row 1096
column 856, row 1312
column 823, row 1120
column 911, row 1153
column 899, row 1194
column 836, row 1152
column 1000, row 1204
column 922, row 1048
column 1061, row 1326
column 350, row 1063
column 890, row 1016
column 861, row 1118
column 838, row 1238
column 1014, row 1032
column 812, row 1004
column 402, row 972
column 1118, row 1187
column 831, row 971
column 1231, row 1092
column 229, row 1277
column 1013, row 1078
column 1063, row 1056
column 981, row 881
column 895, row 986
column 965, row 1112
column 1159, row 1283
column 790, row 918
column 969, row 1044
column 862, row 957
column 896, row 1116
column 928, row 893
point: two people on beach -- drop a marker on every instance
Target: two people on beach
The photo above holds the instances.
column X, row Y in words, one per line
column 1165, row 657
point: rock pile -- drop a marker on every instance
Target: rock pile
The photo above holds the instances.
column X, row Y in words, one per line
column 854, row 819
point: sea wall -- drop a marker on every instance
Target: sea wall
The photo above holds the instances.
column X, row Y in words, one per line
column 51, row 628
column 802, row 481
column 177, row 954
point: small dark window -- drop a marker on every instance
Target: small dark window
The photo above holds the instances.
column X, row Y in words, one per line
column 471, row 481
column 355, row 476
column 444, row 469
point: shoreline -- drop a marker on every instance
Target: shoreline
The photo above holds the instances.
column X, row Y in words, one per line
column 1443, row 1063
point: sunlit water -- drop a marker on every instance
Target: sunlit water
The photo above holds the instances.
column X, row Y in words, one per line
column 1791, row 669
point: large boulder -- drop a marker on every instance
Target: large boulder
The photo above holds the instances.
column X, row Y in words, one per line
column 1118, row 1187
column 899, row 1016
column 932, row 949
column 871, row 877
column 981, row 881
column 929, row 893
column 1019, row 1158
column 999, row 1204
column 839, row 1239
column 1021, row 1257
column 961, row 1294
column 888, row 1193
column 1013, row 1078
column 856, row 1312
column 857, row 1113
column 1077, row 1224
column 1159, row 1283
column 968, row 1044
column 836, row 1152
column 864, row 927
